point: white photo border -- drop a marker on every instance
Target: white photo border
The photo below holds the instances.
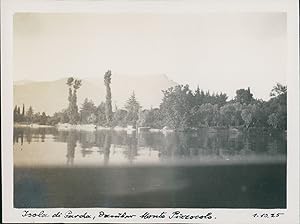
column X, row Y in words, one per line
column 291, row 7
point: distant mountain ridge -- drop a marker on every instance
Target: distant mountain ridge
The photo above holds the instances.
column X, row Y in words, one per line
column 52, row 96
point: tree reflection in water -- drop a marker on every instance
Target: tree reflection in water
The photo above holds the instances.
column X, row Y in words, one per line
column 71, row 145
column 18, row 134
column 132, row 150
column 221, row 144
column 107, row 144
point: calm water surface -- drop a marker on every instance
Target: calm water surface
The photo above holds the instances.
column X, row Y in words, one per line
column 50, row 147
column 221, row 169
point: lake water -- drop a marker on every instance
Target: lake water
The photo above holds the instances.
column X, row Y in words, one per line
column 225, row 169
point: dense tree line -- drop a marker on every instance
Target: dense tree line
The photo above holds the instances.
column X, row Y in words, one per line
column 92, row 114
column 30, row 117
column 181, row 109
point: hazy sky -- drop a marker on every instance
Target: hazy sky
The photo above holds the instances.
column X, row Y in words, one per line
column 217, row 51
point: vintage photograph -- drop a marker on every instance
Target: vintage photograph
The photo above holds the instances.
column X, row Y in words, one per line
column 150, row 110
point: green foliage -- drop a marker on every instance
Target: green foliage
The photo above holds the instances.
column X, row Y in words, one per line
column 23, row 111
column 151, row 118
column 77, row 84
column 119, row 118
column 74, row 85
column 176, row 105
column 108, row 106
column 36, row 118
column 274, row 120
column 133, row 107
column 180, row 109
column 70, row 81
column 215, row 99
column 278, row 90
column 43, row 119
column 278, row 107
column 205, row 115
column 244, row 96
column 29, row 114
column 58, row 117
column 248, row 114
column 230, row 114
column 100, row 114
column 88, row 112
column 17, row 115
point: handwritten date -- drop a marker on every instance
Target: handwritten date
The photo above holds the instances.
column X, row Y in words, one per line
column 268, row 215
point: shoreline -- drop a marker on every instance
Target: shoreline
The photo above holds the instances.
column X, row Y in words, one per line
column 130, row 129
column 17, row 125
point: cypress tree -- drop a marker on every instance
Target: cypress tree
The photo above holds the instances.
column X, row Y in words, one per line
column 23, row 110
column 108, row 107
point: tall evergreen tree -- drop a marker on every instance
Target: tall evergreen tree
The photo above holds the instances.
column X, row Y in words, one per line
column 132, row 106
column 43, row 119
column 70, row 97
column 108, row 106
column 87, row 112
column 70, row 84
column 75, row 115
column 16, row 113
column 73, row 108
column 23, row 111
column 29, row 114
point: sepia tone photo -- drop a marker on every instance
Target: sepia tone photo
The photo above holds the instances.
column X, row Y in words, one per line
column 149, row 110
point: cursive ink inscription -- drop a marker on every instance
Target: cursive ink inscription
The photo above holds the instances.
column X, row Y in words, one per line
column 70, row 215
column 123, row 215
column 40, row 214
column 147, row 215
column 179, row 215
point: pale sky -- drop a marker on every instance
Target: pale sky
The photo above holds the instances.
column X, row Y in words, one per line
column 217, row 51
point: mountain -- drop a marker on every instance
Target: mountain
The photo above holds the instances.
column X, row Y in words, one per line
column 52, row 96
column 22, row 82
